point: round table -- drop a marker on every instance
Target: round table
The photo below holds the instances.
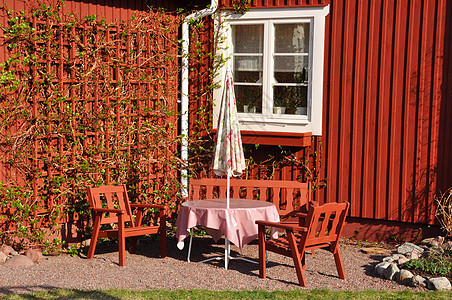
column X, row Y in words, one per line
column 237, row 222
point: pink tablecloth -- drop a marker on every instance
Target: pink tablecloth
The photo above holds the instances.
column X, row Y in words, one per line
column 237, row 223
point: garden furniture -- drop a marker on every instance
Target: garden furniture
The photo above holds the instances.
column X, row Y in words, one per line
column 322, row 229
column 110, row 205
column 277, row 198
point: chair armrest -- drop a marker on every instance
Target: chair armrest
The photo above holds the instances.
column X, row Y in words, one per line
column 302, row 215
column 108, row 210
column 139, row 205
column 287, row 226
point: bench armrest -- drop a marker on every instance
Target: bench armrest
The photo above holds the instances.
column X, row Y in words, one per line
column 287, row 226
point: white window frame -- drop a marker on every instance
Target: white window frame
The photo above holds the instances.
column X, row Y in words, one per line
column 312, row 122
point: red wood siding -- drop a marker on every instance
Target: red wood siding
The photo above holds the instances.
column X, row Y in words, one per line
column 387, row 101
column 386, row 66
column 387, row 105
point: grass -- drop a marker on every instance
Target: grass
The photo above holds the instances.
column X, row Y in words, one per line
column 320, row 294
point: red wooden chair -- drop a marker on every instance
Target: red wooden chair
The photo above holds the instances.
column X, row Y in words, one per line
column 322, row 229
column 110, row 204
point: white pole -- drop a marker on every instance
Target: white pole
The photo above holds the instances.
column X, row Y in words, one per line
column 226, row 241
column 185, row 87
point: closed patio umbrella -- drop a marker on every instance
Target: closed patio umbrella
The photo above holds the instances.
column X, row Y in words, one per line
column 228, row 158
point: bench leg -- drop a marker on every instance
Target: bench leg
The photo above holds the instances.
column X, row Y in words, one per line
column 122, row 240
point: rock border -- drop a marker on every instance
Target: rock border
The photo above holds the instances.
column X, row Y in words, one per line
column 11, row 258
column 391, row 266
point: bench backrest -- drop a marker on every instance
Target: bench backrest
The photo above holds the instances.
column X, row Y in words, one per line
column 288, row 196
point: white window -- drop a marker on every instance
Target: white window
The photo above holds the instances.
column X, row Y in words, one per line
column 276, row 57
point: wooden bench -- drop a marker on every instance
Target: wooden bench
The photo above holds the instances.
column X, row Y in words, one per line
column 288, row 196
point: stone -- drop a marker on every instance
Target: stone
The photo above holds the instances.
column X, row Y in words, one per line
column 19, row 261
column 381, row 267
column 393, row 257
column 439, row 284
column 419, row 281
column 409, row 247
column 7, row 249
column 437, row 242
column 426, row 241
column 86, row 243
column 3, row 257
column 447, row 246
column 34, row 254
column 402, row 260
column 391, row 271
column 388, row 259
column 374, row 250
column 405, row 277
column 413, row 255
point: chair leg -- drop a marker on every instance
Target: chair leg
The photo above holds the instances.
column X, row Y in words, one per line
column 94, row 236
column 262, row 253
column 338, row 260
column 122, row 240
column 297, row 259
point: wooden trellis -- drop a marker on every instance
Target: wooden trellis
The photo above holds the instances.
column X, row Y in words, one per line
column 103, row 101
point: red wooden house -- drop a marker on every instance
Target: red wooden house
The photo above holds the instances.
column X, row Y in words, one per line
column 374, row 79
column 366, row 84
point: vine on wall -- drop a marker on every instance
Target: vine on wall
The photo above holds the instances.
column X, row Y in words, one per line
column 84, row 103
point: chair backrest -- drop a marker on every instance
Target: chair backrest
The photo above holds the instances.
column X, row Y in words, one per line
column 111, row 197
column 325, row 223
column 288, row 196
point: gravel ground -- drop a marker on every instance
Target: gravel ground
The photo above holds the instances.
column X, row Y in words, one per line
column 145, row 270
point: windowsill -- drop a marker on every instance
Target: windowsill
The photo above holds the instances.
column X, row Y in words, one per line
column 275, row 138
column 275, row 119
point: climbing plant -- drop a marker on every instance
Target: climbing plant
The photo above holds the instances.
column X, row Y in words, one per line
column 84, row 102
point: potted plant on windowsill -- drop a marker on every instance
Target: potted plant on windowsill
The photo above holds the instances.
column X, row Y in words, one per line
column 249, row 109
column 279, row 106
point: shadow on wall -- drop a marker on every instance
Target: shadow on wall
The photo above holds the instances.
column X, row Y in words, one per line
column 392, row 232
column 436, row 145
column 445, row 119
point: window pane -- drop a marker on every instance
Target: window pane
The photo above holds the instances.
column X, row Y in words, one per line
column 292, row 98
column 291, row 69
column 292, row 38
column 248, row 69
column 247, row 53
column 248, row 98
column 248, row 38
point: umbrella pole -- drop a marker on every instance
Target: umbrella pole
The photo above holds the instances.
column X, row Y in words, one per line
column 226, row 241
